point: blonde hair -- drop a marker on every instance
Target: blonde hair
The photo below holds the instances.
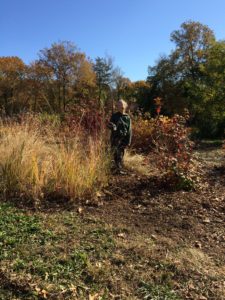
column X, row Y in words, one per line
column 125, row 105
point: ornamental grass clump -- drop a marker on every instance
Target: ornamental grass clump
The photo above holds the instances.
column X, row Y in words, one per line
column 25, row 162
column 34, row 166
column 78, row 169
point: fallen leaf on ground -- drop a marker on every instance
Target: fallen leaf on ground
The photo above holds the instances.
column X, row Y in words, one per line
column 94, row 297
column 121, row 235
column 80, row 210
column 205, row 221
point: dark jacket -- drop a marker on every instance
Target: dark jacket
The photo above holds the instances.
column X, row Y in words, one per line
column 121, row 131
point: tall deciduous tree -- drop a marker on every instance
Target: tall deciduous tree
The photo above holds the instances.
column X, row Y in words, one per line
column 141, row 93
column 121, row 85
column 192, row 77
column 191, row 41
column 12, row 73
column 39, row 87
column 68, row 69
column 85, row 83
column 210, row 116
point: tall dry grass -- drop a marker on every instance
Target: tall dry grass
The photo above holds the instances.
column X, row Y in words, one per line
column 35, row 166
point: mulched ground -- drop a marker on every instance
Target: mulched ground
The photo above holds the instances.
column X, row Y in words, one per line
column 144, row 205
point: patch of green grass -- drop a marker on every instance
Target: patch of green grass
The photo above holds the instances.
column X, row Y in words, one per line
column 16, row 228
column 157, row 292
column 98, row 242
column 51, row 253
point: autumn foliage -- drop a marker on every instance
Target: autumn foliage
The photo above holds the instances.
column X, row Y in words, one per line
column 174, row 151
column 142, row 128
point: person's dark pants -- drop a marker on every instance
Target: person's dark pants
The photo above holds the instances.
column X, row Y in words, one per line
column 118, row 146
column 118, row 156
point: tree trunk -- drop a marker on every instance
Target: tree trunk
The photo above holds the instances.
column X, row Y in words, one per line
column 64, row 97
column 6, row 105
column 59, row 97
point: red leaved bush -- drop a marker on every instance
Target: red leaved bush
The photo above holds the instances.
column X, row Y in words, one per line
column 174, row 150
column 87, row 118
column 89, row 122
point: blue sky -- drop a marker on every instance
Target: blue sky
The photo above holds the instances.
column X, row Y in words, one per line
column 134, row 32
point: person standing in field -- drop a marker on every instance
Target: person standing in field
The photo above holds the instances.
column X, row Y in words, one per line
column 121, row 133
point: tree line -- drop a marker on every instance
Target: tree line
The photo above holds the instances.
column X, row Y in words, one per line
column 191, row 77
column 61, row 77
